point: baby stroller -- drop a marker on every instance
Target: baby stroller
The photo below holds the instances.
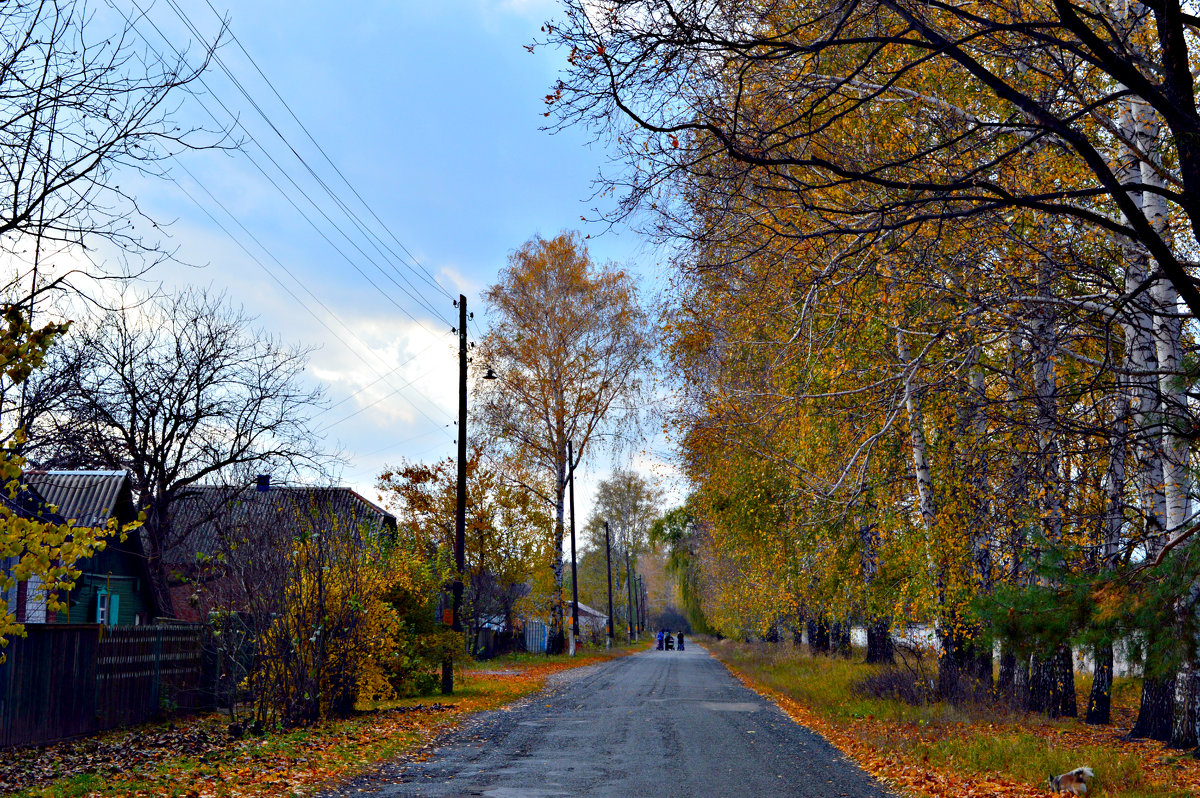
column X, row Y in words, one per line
column 669, row 641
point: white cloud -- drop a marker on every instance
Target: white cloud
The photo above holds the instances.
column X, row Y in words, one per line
column 410, row 372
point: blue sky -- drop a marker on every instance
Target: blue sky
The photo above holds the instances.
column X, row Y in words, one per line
column 432, row 112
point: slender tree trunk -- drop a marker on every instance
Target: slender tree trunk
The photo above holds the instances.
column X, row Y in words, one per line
column 1156, row 713
column 840, row 634
column 879, row 638
column 1014, row 669
column 818, row 636
column 1052, row 677
column 1008, row 670
column 1099, row 709
column 558, row 639
column 920, row 451
column 879, row 642
column 629, row 596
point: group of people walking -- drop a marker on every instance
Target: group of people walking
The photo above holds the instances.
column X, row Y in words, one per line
column 666, row 639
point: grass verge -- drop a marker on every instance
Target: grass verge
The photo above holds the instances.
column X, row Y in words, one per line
column 939, row 750
column 196, row 758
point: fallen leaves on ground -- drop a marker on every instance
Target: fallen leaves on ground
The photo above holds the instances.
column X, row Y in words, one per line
column 197, row 758
column 887, row 750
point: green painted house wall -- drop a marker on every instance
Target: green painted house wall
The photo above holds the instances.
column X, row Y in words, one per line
column 113, row 572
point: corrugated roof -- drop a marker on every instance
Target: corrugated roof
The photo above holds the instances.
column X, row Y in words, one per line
column 205, row 516
column 89, row 498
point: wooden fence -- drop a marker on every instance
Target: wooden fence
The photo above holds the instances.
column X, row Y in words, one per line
column 64, row 680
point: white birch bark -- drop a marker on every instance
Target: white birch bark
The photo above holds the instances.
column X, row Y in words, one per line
column 981, row 550
column 1043, row 350
column 920, row 451
column 1167, row 331
column 1141, row 356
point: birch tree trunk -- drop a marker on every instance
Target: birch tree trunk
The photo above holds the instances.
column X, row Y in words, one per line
column 952, row 654
column 1099, row 708
column 1052, row 677
column 1013, row 678
column 557, row 640
column 1156, row 713
column 1168, row 341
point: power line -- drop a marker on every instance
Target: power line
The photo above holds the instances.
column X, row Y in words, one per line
column 286, row 195
column 424, row 273
column 377, row 401
column 281, row 284
column 350, row 214
column 378, row 380
column 342, row 205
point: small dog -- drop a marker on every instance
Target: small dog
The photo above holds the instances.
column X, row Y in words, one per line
column 1074, row 782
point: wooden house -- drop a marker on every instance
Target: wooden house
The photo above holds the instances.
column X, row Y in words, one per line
column 216, row 526
column 113, row 587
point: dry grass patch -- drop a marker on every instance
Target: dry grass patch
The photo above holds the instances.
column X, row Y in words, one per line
column 937, row 749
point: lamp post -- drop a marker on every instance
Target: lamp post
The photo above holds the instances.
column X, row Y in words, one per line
column 641, row 604
column 629, row 595
column 460, row 498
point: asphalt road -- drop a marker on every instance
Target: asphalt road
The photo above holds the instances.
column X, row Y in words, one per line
column 659, row 723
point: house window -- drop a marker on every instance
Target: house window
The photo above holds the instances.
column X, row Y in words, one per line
column 102, row 607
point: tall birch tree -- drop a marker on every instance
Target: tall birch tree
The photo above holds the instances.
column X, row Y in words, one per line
column 569, row 344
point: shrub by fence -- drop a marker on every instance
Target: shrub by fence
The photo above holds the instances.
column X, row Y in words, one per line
column 64, row 680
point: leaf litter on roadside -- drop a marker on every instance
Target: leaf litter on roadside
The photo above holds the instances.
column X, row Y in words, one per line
column 196, row 757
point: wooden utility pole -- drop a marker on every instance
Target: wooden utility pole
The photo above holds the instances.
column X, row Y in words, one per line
column 460, row 504
column 641, row 604
column 608, row 564
column 574, row 572
column 629, row 596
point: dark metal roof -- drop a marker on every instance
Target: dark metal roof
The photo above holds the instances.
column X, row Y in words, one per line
column 206, row 518
column 89, row 498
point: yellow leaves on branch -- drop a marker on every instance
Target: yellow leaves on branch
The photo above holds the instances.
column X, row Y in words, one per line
column 38, row 551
